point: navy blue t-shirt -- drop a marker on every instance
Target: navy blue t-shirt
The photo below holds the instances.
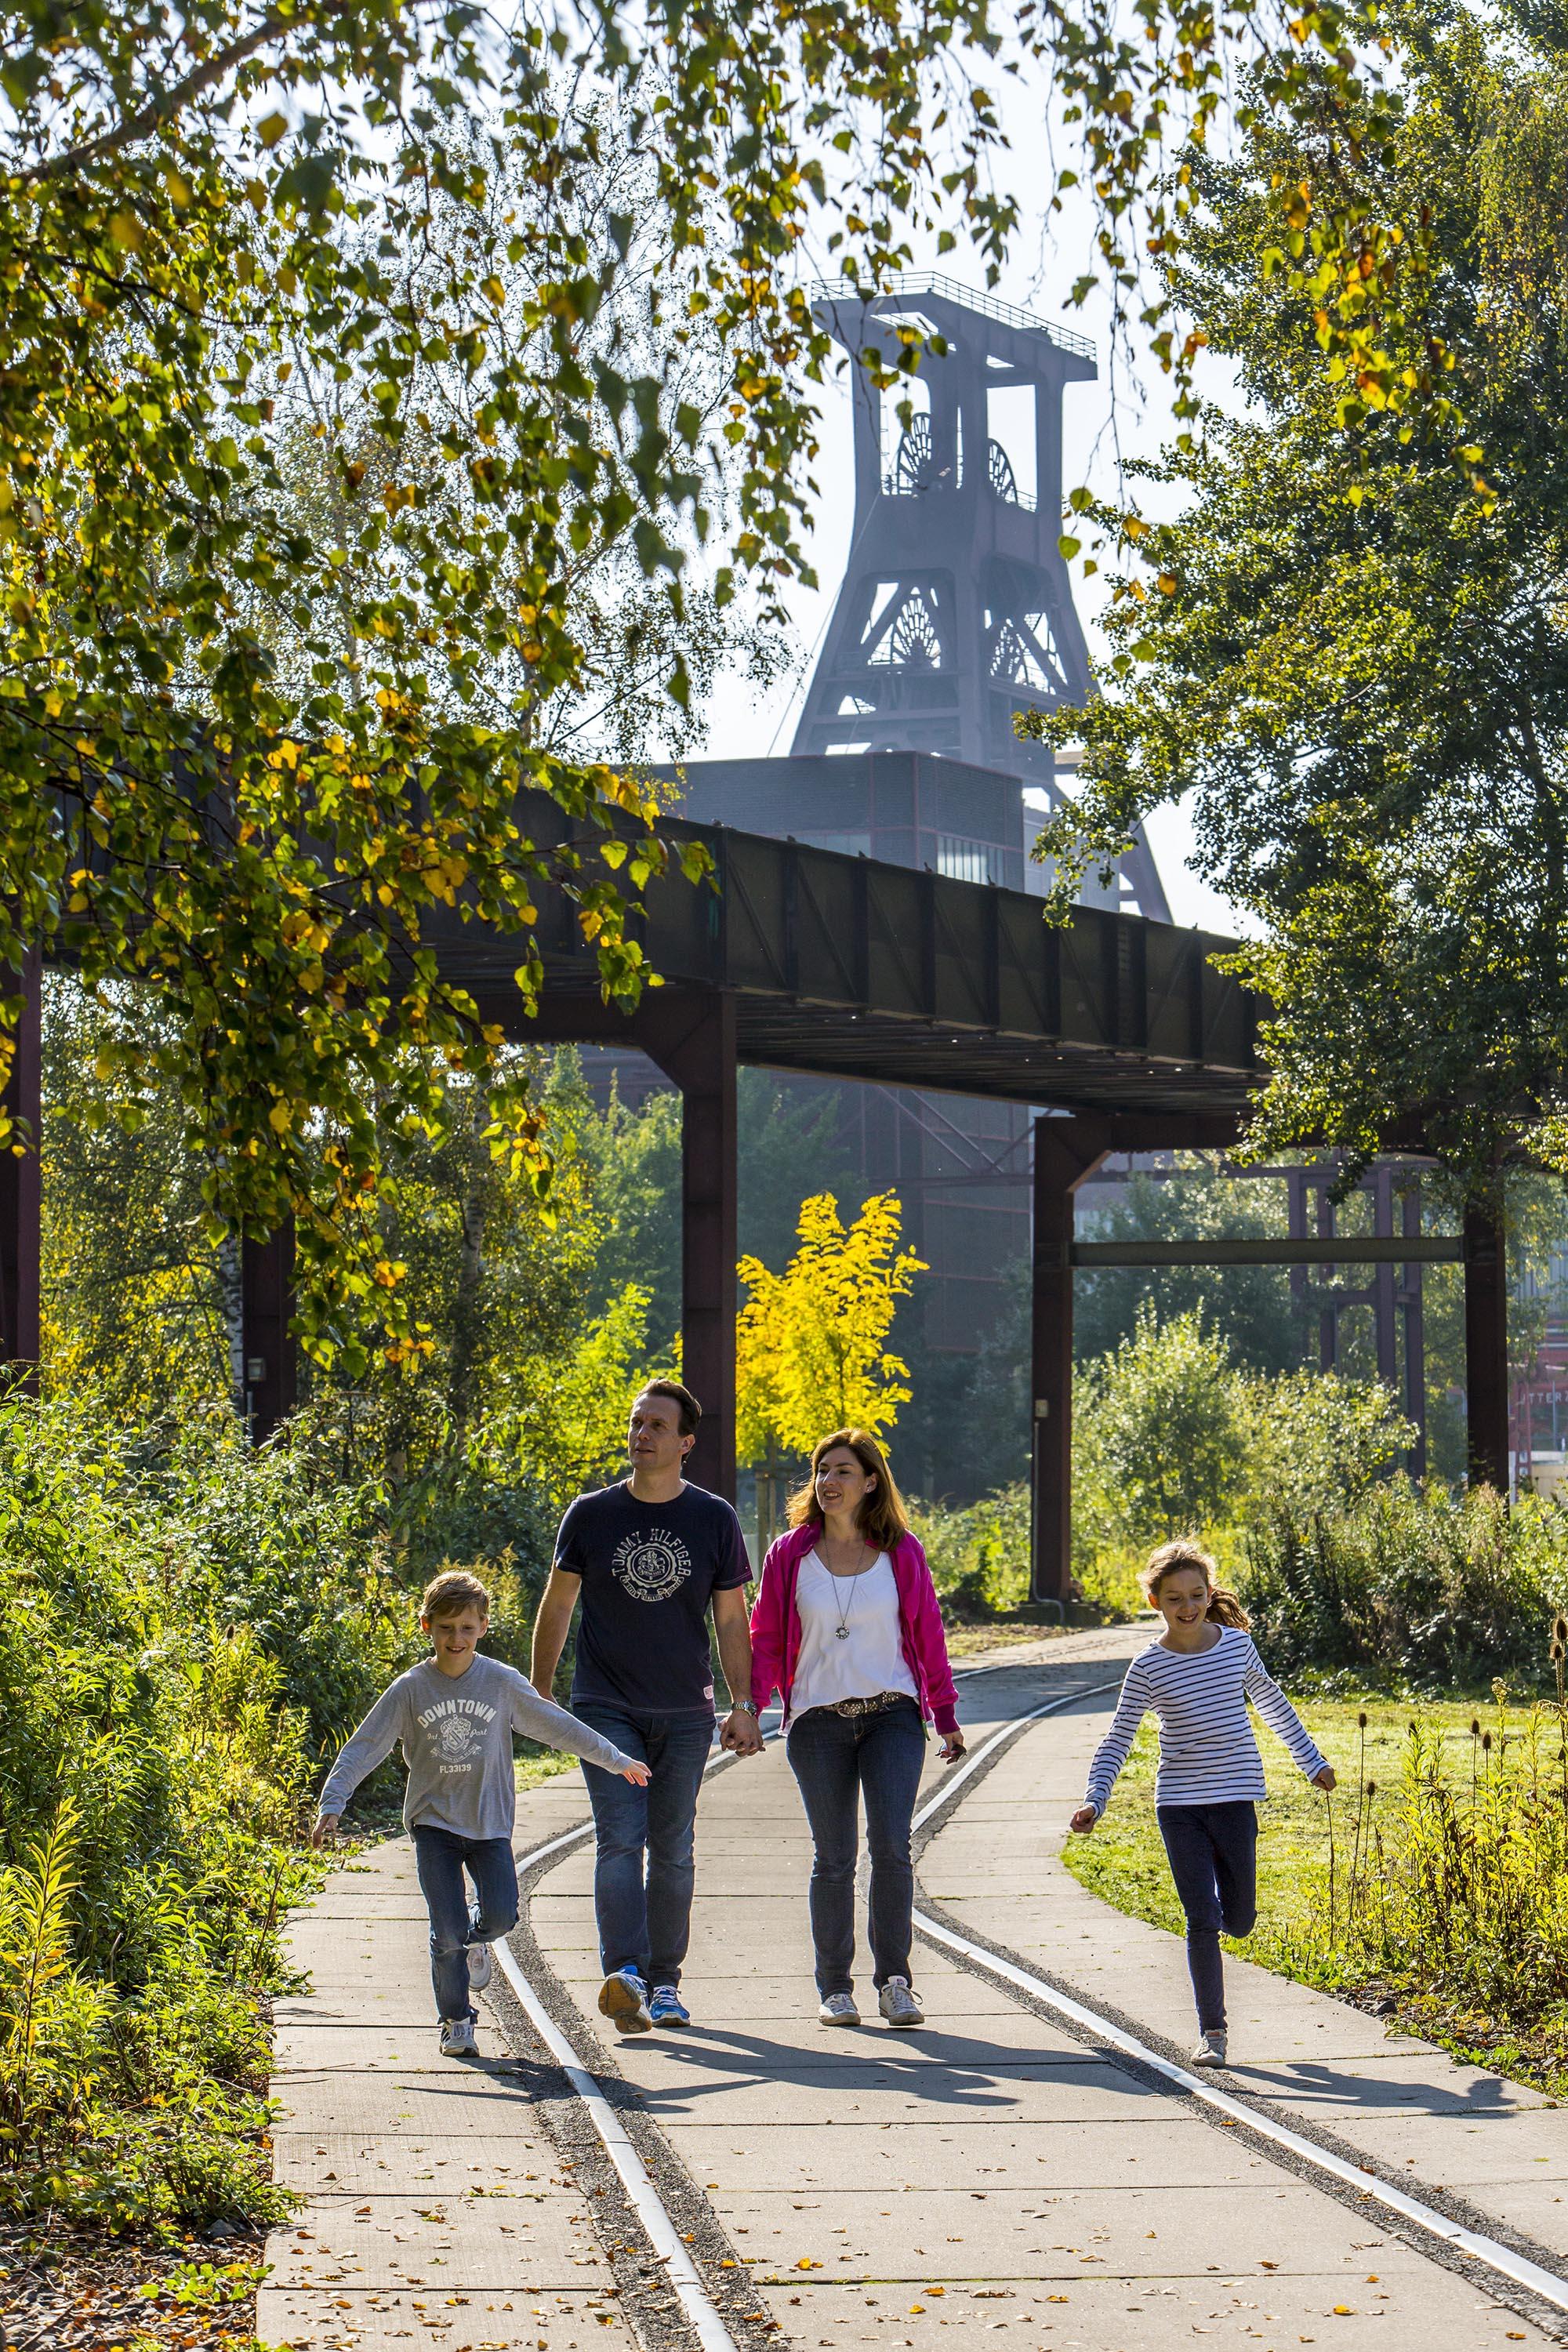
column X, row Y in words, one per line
column 649, row 1572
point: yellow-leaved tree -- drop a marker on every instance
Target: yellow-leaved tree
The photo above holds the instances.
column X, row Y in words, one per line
column 810, row 1343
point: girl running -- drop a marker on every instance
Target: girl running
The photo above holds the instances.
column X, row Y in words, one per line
column 1197, row 1678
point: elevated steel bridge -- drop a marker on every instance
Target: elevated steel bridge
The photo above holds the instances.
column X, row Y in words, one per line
column 1123, row 1032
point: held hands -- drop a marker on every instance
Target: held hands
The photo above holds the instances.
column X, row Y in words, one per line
column 1325, row 1778
column 324, row 1830
column 1083, row 1820
column 637, row 1772
column 741, row 1734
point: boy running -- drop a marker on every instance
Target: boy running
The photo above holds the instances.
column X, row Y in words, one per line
column 454, row 1715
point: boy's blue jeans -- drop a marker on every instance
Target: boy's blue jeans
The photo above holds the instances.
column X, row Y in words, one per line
column 455, row 1923
column 643, row 1865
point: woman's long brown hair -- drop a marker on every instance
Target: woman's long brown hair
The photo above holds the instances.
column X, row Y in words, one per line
column 881, row 1519
column 1224, row 1608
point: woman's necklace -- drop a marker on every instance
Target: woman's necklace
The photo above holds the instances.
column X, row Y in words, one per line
column 843, row 1626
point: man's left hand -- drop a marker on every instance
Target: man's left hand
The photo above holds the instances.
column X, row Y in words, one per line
column 741, row 1734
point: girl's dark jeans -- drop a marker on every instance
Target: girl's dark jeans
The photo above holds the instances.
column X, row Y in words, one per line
column 1213, row 1852
column 442, row 1857
column 838, row 1759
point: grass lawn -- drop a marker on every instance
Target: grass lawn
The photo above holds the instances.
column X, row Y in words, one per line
column 1124, row 1863
column 1002, row 1633
column 542, row 1764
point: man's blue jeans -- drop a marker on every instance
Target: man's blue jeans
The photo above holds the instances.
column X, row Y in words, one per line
column 643, row 1868
column 455, row 1924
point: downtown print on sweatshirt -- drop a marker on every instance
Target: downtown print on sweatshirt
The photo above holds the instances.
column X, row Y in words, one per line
column 1208, row 1753
column 456, row 1733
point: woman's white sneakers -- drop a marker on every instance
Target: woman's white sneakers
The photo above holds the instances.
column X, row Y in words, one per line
column 458, row 2038
column 898, row 2004
column 1211, row 2048
column 895, row 2001
column 480, row 1967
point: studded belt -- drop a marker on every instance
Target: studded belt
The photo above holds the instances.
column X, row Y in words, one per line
column 877, row 1705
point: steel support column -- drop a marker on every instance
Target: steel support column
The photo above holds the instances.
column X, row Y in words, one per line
column 268, row 1362
column 691, row 1036
column 1411, row 1310
column 1486, row 1348
column 21, row 1200
column 1066, row 1152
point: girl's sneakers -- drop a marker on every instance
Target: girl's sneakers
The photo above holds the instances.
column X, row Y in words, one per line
column 1211, row 2050
column 898, row 2004
column 838, row 2009
column 458, row 2038
column 666, row 2007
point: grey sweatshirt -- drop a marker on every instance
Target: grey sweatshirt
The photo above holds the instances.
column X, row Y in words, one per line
column 456, row 1735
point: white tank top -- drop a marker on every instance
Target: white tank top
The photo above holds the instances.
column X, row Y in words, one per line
column 868, row 1656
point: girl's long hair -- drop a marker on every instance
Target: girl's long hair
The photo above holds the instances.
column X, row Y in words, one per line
column 1224, row 1608
column 881, row 1519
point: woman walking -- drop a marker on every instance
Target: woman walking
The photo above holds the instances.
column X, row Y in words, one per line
column 1197, row 1678
column 848, row 1629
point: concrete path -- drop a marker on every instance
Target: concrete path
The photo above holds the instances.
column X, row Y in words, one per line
column 989, row 2179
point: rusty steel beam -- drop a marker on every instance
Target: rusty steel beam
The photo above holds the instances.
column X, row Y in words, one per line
column 1335, row 1249
column 269, row 1364
column 21, row 1191
column 1486, row 1348
column 691, row 1036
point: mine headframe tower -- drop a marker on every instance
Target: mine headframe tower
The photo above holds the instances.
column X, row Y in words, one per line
column 956, row 611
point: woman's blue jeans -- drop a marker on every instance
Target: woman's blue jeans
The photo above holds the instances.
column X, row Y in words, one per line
column 455, row 1923
column 838, row 1760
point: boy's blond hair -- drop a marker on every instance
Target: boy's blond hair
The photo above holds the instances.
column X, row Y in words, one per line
column 448, row 1594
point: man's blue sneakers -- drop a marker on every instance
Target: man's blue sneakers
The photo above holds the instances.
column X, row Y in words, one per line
column 667, row 2008
column 622, row 1997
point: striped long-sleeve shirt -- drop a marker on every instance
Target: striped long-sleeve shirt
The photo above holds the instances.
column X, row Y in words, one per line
column 1208, row 1753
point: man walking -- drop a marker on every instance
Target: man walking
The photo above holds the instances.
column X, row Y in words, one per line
column 649, row 1557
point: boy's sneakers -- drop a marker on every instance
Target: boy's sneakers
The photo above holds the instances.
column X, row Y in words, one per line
column 481, row 1968
column 898, row 2004
column 623, row 1997
column 1211, row 2050
column 458, row 2038
column 666, row 2007
column 838, row 2009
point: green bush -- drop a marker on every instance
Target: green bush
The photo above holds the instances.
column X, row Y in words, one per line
column 183, row 1631
column 1428, row 1588
column 979, row 1555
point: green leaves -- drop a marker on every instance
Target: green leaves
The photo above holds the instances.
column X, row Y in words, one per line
column 1349, row 649
column 325, row 429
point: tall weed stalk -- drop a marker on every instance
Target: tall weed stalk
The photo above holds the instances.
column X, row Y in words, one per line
column 1457, row 1886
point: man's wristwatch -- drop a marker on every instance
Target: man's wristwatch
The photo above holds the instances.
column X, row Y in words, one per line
column 747, row 1706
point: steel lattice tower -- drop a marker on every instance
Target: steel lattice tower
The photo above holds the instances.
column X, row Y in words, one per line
column 956, row 610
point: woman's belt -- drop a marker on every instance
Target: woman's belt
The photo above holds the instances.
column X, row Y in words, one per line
column 877, row 1705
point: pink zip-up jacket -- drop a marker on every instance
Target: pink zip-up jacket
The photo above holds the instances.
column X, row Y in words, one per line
column 776, row 1626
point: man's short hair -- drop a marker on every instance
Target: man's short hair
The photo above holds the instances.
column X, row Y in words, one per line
column 691, row 1410
column 448, row 1594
